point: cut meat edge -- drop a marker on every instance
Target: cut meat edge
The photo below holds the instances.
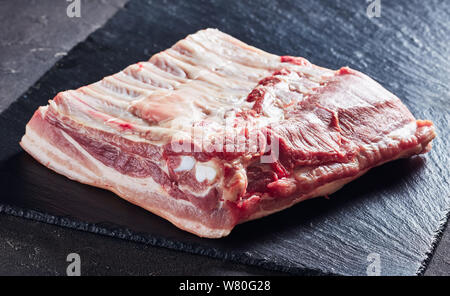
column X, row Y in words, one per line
column 181, row 213
column 425, row 138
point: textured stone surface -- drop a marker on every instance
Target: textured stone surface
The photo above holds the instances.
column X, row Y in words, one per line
column 37, row 33
column 396, row 210
column 34, row 248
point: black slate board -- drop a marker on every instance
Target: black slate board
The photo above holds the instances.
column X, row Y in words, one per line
column 396, row 210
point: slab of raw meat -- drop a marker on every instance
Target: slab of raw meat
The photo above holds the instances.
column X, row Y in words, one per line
column 213, row 132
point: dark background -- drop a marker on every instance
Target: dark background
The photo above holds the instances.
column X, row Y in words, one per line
column 33, row 36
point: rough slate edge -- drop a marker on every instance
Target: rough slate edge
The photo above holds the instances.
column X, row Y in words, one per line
column 437, row 237
column 126, row 234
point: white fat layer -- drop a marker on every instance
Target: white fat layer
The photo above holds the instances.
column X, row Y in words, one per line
column 38, row 148
column 43, row 151
column 186, row 164
column 108, row 174
column 400, row 133
column 204, row 172
column 43, row 109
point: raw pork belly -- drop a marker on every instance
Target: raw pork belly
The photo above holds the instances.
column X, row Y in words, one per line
column 213, row 132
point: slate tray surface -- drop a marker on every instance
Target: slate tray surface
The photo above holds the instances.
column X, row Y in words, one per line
column 397, row 210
